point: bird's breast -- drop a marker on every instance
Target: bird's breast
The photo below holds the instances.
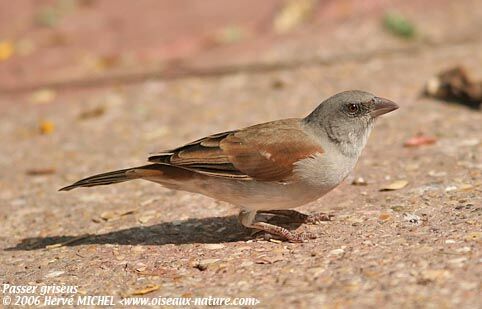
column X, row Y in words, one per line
column 324, row 170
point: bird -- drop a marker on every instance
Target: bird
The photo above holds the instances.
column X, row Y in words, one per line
column 268, row 168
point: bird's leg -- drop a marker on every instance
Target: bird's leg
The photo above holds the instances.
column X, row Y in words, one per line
column 293, row 216
column 247, row 218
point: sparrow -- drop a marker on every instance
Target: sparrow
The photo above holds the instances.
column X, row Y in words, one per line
column 268, row 168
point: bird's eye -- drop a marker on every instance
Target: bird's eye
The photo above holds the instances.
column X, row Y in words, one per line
column 353, row 108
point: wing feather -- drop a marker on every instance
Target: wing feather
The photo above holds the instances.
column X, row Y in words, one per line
column 262, row 152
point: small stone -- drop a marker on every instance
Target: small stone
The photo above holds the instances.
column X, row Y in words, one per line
column 397, row 208
column 412, row 218
column 54, row 274
column 396, row 185
column 473, row 236
column 436, row 275
column 384, row 217
column 465, row 186
column 316, row 271
column 337, row 252
column 145, row 219
column 450, row 241
column 437, row 174
column 246, row 264
column 458, row 261
column 450, row 188
column 463, row 250
column 359, row 181
column 213, row 246
column 204, row 264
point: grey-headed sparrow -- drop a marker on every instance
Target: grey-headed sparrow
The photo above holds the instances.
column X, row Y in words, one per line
column 269, row 167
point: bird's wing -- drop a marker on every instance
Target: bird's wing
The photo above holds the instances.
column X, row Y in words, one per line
column 265, row 152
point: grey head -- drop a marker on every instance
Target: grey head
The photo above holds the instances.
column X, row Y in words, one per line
column 347, row 118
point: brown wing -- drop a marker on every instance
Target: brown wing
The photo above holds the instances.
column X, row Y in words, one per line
column 263, row 152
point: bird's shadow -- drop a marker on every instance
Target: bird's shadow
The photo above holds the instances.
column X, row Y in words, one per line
column 205, row 230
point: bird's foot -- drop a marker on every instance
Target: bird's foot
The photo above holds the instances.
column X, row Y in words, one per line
column 284, row 234
column 293, row 216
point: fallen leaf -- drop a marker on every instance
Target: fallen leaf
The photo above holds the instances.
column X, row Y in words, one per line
column 384, row 217
column 43, row 96
column 419, row 140
column 46, row 127
column 229, row 35
column 398, row 25
column 213, row 246
column 473, row 236
column 108, row 61
column 397, row 208
column 92, row 113
column 6, row 50
column 147, row 289
column 111, row 215
column 204, row 264
column 47, row 17
column 292, row 14
column 396, row 185
column 456, row 85
column 40, row 171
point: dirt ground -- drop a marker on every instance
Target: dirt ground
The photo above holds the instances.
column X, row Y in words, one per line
column 417, row 246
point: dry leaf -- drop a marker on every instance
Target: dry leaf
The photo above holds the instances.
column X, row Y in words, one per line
column 6, row 50
column 111, row 215
column 148, row 289
column 40, row 171
column 92, row 113
column 229, row 35
column 46, row 127
column 268, row 259
column 108, row 61
column 396, row 185
column 455, row 84
column 43, row 96
column 473, row 236
column 420, row 140
column 384, row 217
column 292, row 14
column 398, row 25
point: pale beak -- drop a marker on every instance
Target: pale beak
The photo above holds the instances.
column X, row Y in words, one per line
column 382, row 106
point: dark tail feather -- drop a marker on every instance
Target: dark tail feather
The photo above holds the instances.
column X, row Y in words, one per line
column 112, row 177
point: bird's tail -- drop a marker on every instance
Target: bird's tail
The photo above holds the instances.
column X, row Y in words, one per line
column 115, row 177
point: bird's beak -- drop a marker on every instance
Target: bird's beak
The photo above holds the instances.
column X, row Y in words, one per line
column 382, row 106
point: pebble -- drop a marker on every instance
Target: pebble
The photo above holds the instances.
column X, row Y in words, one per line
column 54, row 274
column 213, row 246
column 336, row 252
column 463, row 250
column 458, row 261
column 411, row 218
column 359, row 181
column 204, row 264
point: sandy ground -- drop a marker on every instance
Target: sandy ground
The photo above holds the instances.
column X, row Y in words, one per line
column 419, row 246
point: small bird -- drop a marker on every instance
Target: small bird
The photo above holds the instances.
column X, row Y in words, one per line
column 268, row 168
